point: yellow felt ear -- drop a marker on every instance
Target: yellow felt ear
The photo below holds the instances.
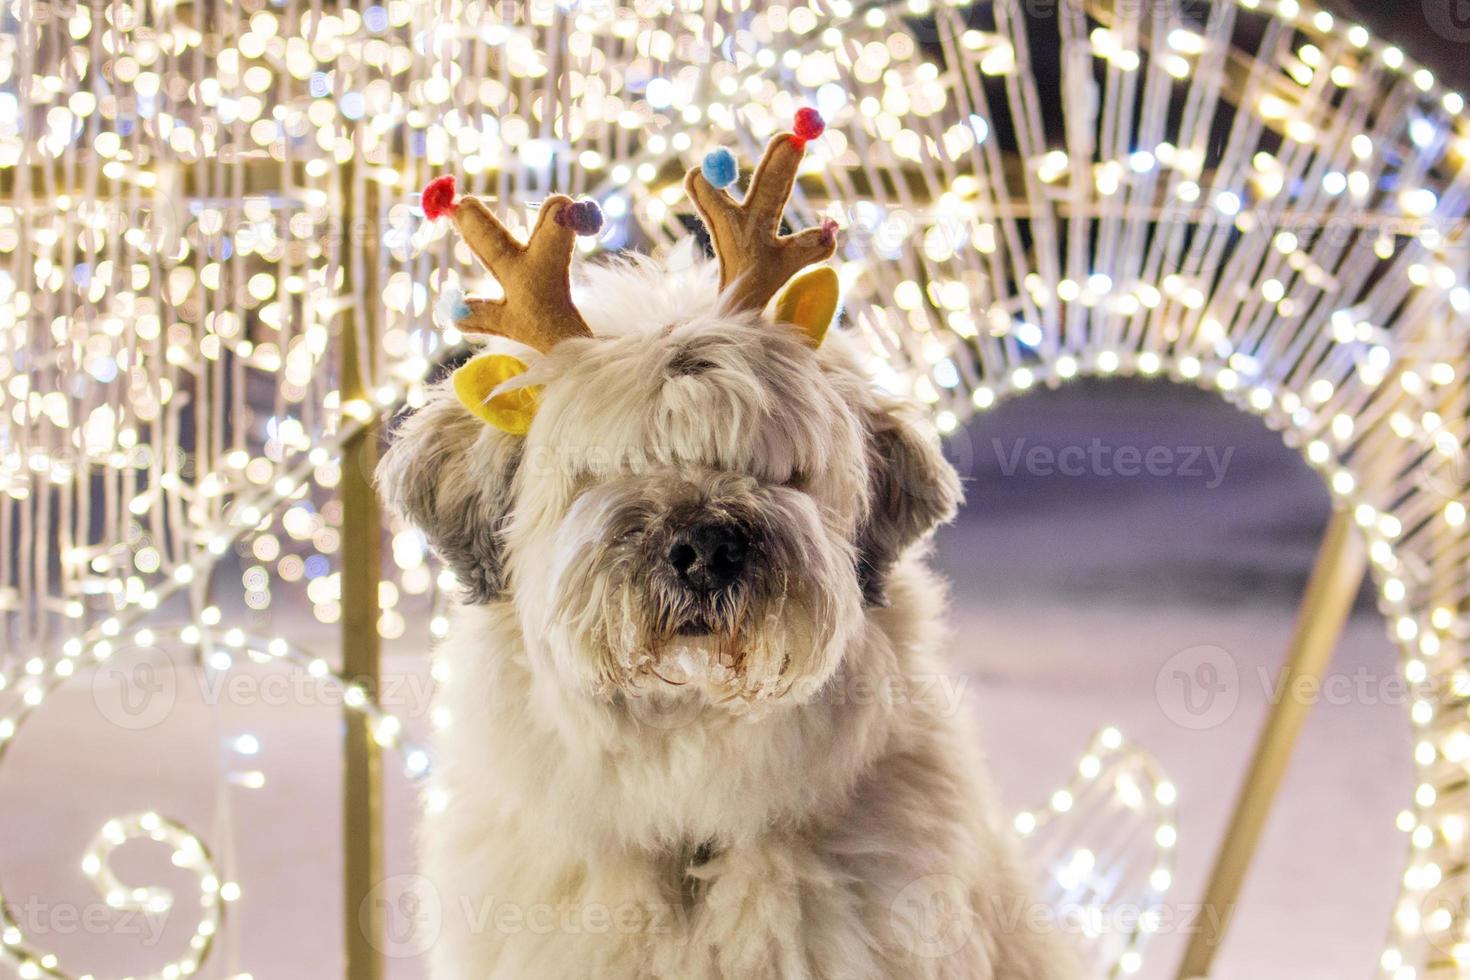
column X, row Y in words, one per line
column 810, row 302
column 476, row 379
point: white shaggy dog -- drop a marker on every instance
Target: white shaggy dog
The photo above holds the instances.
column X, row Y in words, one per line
column 693, row 734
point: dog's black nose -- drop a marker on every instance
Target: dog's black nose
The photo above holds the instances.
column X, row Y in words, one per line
column 708, row 557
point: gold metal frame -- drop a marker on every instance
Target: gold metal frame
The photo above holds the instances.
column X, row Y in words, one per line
column 1342, row 561
column 362, row 775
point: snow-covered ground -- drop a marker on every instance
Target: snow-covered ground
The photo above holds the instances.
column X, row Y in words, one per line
column 1071, row 594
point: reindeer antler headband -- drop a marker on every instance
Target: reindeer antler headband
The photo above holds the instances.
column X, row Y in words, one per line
column 536, row 277
column 756, row 260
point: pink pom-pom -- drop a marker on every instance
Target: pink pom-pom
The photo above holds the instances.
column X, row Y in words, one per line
column 438, row 199
column 809, row 124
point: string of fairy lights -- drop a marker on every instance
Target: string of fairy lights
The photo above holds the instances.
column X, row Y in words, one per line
column 1120, row 796
column 1254, row 196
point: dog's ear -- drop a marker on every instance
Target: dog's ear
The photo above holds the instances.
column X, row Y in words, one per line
column 912, row 489
column 449, row 475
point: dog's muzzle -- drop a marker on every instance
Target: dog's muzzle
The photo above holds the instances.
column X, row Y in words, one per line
column 709, row 564
column 708, row 557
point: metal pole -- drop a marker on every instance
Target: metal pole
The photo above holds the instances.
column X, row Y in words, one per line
column 1336, row 577
column 362, row 818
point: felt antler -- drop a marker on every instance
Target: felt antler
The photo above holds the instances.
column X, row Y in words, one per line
column 754, row 256
column 537, row 309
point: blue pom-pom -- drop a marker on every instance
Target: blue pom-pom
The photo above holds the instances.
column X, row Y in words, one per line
column 452, row 305
column 719, row 168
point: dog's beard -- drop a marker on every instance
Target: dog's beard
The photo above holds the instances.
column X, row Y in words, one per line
column 628, row 629
column 735, row 651
column 754, row 644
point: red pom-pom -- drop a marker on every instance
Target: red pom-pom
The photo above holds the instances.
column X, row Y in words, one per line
column 438, row 197
column 809, row 124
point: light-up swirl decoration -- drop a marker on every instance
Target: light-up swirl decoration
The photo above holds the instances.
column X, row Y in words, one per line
column 189, row 853
column 224, row 651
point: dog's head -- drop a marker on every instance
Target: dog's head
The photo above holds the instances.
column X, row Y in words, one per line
column 685, row 497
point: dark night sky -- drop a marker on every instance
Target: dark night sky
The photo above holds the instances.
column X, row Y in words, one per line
column 1437, row 32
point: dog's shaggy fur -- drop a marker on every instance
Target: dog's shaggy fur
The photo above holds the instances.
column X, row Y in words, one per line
column 644, row 781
